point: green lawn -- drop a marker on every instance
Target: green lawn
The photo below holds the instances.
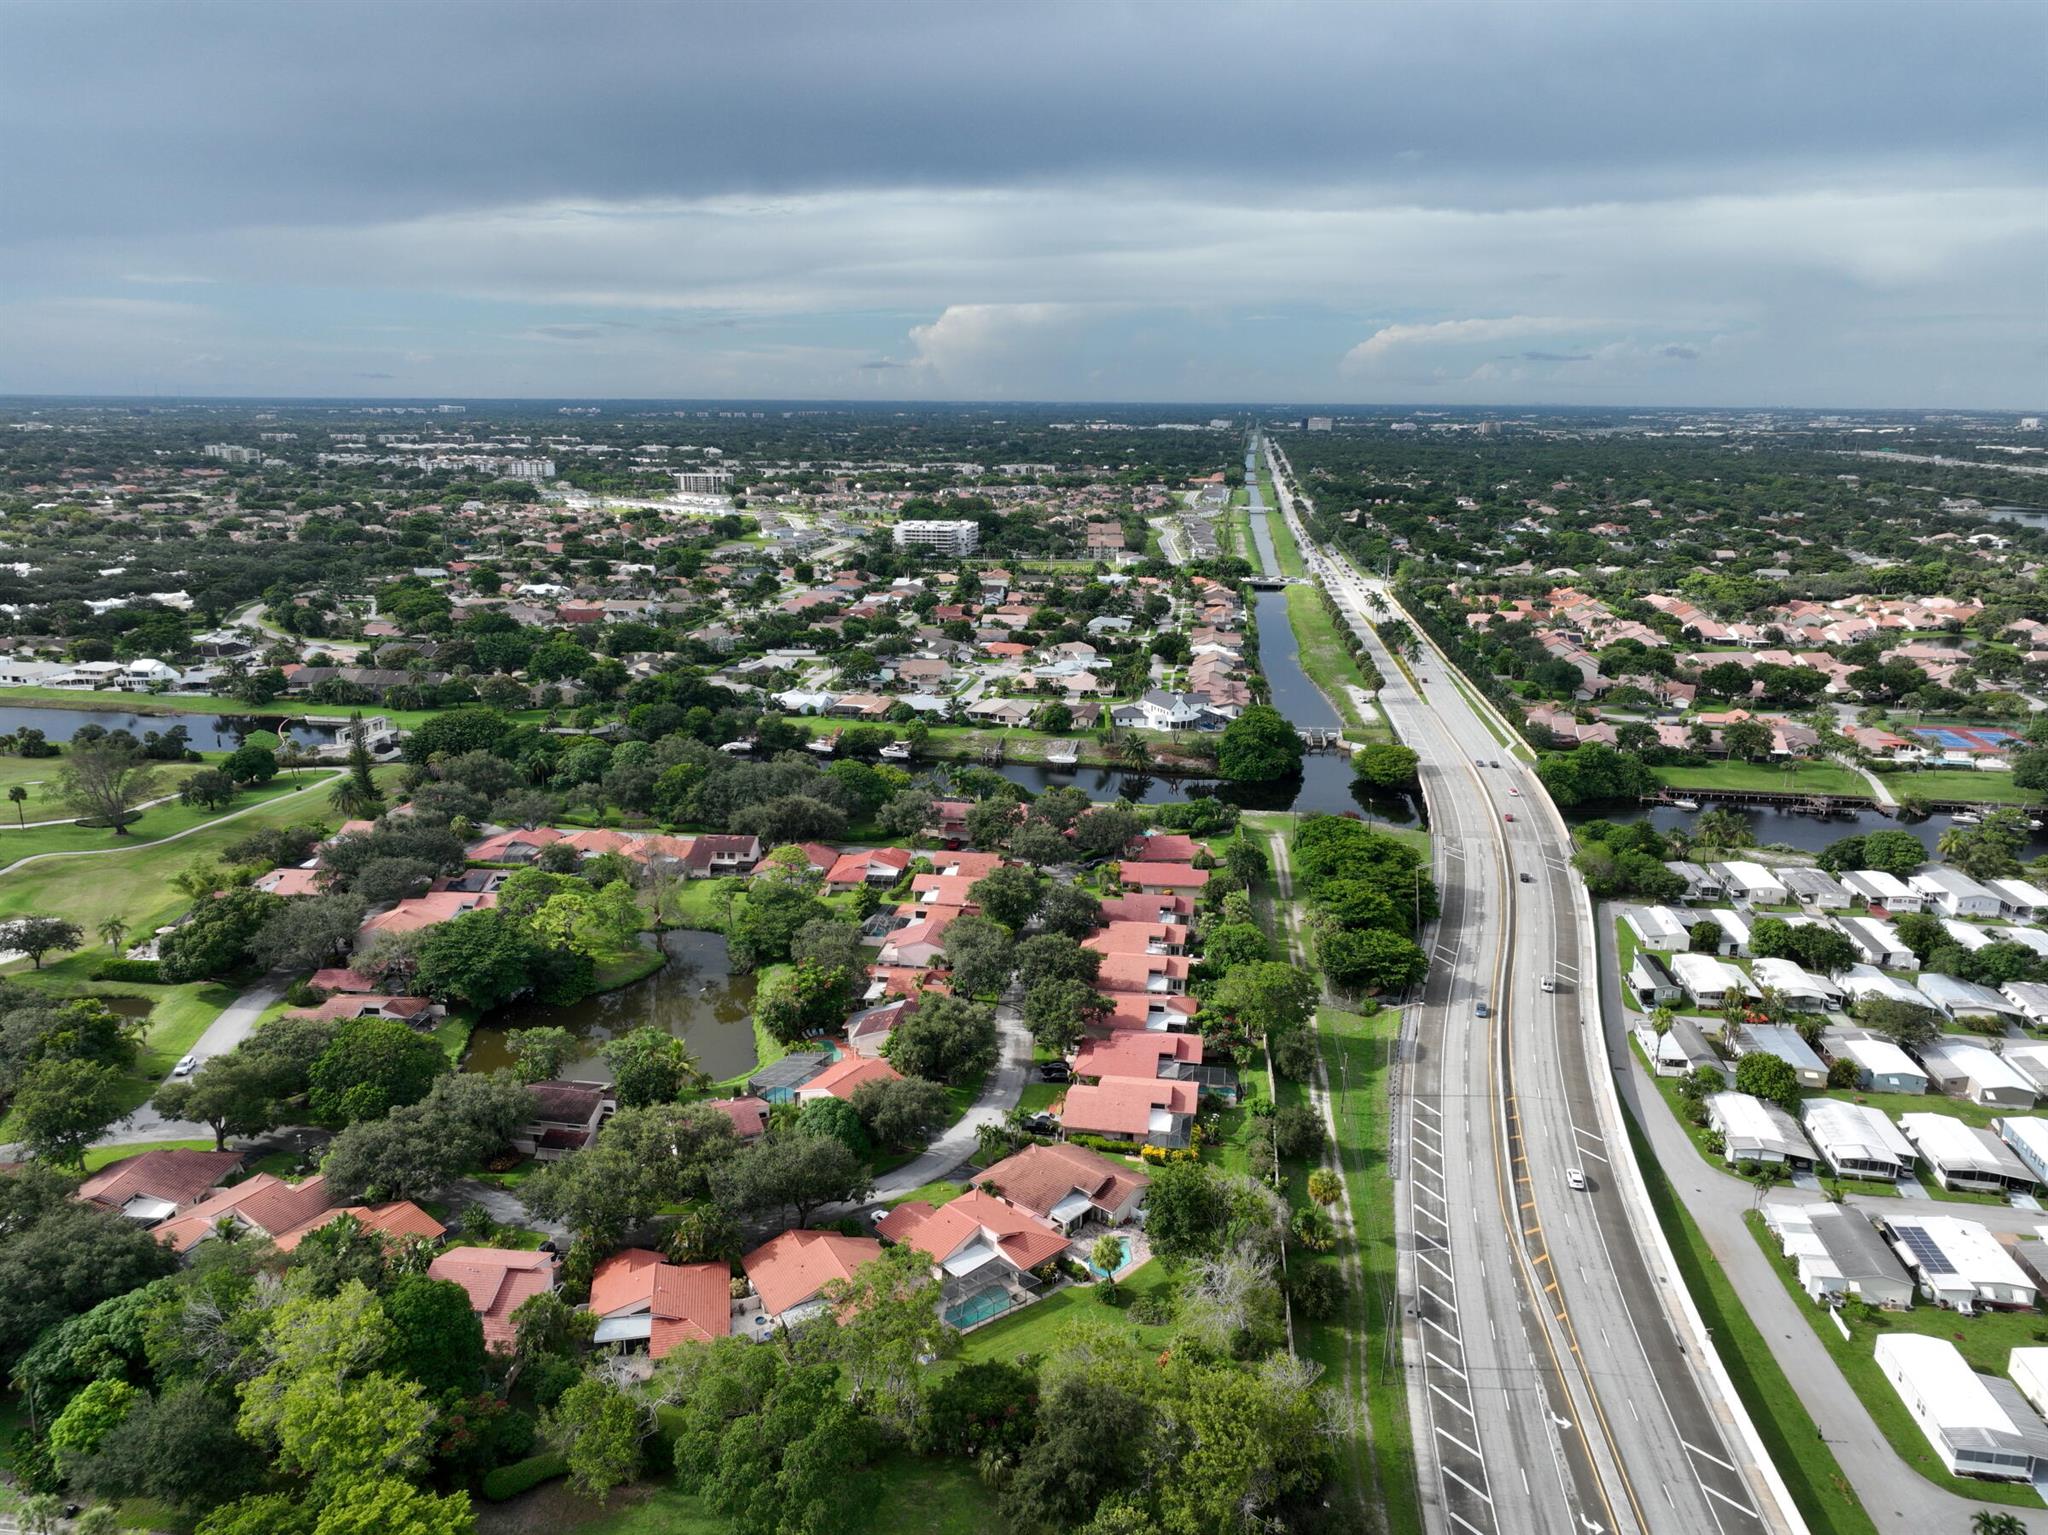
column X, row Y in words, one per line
column 941, row 1192
column 1812, row 1475
column 151, row 825
column 1285, row 549
column 918, row 1497
column 1356, row 1051
column 153, row 703
column 695, row 904
column 1985, row 1341
column 38, row 775
column 134, row 883
column 1038, row 1328
column 1768, row 778
column 1325, row 660
column 1962, row 784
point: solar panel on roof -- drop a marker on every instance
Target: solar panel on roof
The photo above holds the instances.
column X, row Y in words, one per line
column 1925, row 1250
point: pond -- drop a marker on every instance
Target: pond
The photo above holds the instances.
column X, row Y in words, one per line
column 207, row 732
column 1769, row 824
column 695, row 996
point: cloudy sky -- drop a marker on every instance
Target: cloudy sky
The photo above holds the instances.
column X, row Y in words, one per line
column 1342, row 201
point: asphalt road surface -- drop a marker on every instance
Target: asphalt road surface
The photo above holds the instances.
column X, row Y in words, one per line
column 1549, row 1386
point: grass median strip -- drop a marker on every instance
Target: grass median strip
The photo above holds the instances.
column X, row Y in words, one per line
column 1812, row 1475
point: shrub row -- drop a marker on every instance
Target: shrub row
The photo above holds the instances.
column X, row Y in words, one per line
column 504, row 1482
column 146, row 972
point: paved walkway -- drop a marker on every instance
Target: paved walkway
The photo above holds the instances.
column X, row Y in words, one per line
column 234, row 1025
column 1001, row 1093
column 1897, row 1498
column 325, row 781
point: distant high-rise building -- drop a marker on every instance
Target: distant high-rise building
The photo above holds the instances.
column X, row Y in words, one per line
column 229, row 453
column 2030, row 423
column 530, row 469
column 703, row 482
column 955, row 537
column 1319, row 423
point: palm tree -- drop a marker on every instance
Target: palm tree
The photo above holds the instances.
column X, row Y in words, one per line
column 1991, row 1522
column 350, row 799
column 1133, row 752
column 19, row 795
column 1324, row 1186
column 112, row 931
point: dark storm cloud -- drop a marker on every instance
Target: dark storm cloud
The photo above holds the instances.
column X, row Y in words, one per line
column 153, row 115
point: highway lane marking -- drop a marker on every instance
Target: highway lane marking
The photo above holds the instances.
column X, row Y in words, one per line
column 1710, row 1455
column 1740, row 1507
column 1439, row 1268
column 1596, row 1156
column 1452, row 1513
column 1432, row 1109
column 1467, row 1411
column 1435, row 1326
column 1426, row 1290
column 1447, row 1471
column 1446, row 1364
column 1447, row 1434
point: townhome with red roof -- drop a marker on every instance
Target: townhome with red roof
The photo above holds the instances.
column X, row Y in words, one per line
column 845, row 1076
column 1147, row 974
column 1066, row 1185
column 1138, row 938
column 1163, row 878
column 787, row 1272
column 876, row 866
column 1154, row 1113
column 981, row 1248
column 640, row 1298
column 498, row 1281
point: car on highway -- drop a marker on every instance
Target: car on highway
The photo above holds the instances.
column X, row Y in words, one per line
column 1514, row 791
column 186, row 1066
column 1550, row 983
column 1494, row 763
column 1481, row 1010
column 1526, row 877
column 1508, row 815
column 1574, row 1179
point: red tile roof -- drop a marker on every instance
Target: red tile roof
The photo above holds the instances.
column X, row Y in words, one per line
column 1136, row 1053
column 1124, row 1105
column 939, row 1233
column 497, row 1281
column 263, row 1203
column 1039, row 1177
column 1170, row 876
column 846, row 1075
column 686, row 1302
column 749, row 1116
column 792, row 1268
column 177, row 1176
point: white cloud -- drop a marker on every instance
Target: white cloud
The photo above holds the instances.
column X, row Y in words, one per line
column 1456, row 333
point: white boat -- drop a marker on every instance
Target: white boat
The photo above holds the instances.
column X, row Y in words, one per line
column 1686, row 804
column 1966, row 818
column 897, row 751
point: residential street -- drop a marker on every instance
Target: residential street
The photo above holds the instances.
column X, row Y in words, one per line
column 999, row 1094
column 1897, row 1497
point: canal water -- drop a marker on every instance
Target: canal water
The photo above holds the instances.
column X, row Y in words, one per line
column 1325, row 786
column 1262, row 532
column 1807, row 833
column 207, row 732
column 695, row 996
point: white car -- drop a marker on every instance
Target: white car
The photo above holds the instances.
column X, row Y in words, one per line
column 1513, row 790
column 1549, row 983
column 1574, row 1179
column 186, row 1067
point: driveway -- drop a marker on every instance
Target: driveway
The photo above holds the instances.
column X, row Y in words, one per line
column 1001, row 1093
column 234, row 1025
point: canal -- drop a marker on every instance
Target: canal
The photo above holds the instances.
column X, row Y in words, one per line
column 207, row 732
column 1262, row 531
column 695, row 996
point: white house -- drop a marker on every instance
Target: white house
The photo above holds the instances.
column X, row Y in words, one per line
column 1964, row 1157
column 1862, row 982
column 1657, row 928
column 148, row 671
column 2027, row 1137
column 1966, row 1001
column 1954, row 893
column 1967, row 936
column 1752, row 882
column 1838, row 1252
column 1979, row 1425
column 1874, row 887
column 1881, row 1066
column 1796, row 983
column 1958, row 1263
column 1815, row 889
column 1785, row 1043
column 1711, row 982
column 2026, row 937
column 1701, row 884
column 1970, row 1070
column 1878, row 942
column 1679, row 1049
column 1755, row 1131
column 2028, row 1368
column 1735, row 930
column 1856, row 1140
column 2031, row 998
column 2019, row 898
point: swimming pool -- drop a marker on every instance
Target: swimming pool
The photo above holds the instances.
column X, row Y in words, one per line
column 978, row 1307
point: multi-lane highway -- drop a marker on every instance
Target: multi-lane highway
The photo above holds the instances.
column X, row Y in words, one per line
column 1554, row 1382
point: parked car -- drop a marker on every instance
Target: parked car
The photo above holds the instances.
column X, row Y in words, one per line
column 1055, row 1071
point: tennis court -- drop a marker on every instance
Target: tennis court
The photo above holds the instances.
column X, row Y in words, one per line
column 1964, row 738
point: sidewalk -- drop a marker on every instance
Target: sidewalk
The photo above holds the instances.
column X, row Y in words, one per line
column 1897, row 1498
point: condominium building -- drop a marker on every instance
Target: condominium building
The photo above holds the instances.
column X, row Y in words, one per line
column 954, row 536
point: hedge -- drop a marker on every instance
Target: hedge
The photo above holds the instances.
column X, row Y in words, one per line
column 146, row 972
column 504, row 1482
